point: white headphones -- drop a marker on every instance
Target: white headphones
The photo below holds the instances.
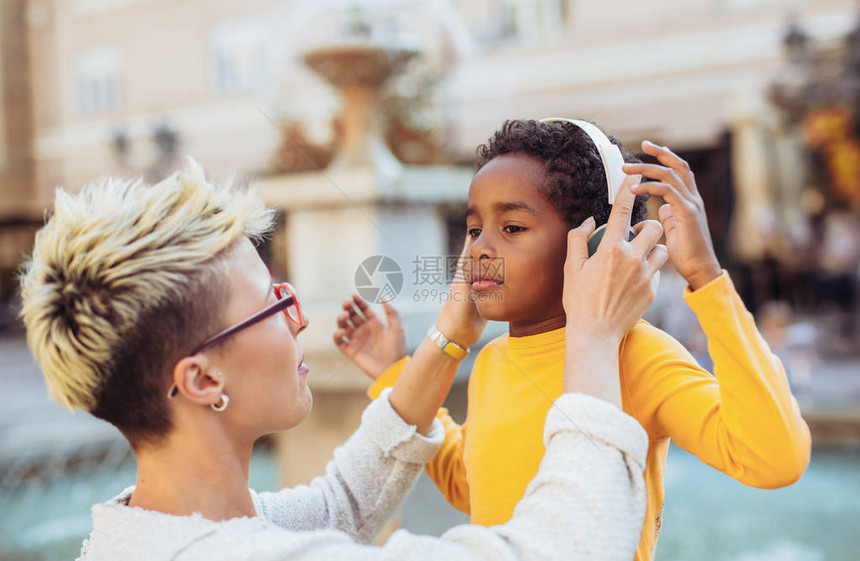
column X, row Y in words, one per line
column 610, row 154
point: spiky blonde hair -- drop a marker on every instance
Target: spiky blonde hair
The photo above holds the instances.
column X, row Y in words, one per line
column 121, row 276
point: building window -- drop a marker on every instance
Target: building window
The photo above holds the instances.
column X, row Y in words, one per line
column 508, row 21
column 239, row 56
column 97, row 80
column 741, row 6
column 89, row 7
column 532, row 21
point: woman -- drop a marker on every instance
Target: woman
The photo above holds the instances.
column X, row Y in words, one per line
column 148, row 307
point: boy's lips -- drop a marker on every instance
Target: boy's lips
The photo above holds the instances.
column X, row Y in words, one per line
column 485, row 284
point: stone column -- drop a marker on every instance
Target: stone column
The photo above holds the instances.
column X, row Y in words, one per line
column 334, row 221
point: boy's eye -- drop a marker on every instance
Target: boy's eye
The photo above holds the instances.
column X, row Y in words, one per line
column 473, row 232
column 511, row 229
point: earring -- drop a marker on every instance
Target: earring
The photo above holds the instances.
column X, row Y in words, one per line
column 222, row 403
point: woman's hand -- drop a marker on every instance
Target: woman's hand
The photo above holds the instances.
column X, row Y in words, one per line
column 604, row 296
column 683, row 216
column 363, row 337
column 459, row 319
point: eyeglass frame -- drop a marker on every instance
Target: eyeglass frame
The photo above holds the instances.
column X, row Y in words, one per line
column 280, row 306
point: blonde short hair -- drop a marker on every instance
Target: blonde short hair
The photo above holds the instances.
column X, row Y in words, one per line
column 110, row 265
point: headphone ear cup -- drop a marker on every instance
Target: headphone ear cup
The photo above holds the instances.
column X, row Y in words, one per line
column 597, row 236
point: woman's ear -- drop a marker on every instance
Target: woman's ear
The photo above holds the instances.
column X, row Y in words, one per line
column 197, row 380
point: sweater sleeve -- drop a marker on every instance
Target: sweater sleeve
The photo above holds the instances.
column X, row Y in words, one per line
column 364, row 483
column 743, row 422
column 587, row 501
column 447, row 469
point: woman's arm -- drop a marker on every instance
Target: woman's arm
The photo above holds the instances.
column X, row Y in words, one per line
column 365, row 481
column 586, row 503
column 447, row 468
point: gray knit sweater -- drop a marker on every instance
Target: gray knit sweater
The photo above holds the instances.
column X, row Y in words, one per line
column 586, row 502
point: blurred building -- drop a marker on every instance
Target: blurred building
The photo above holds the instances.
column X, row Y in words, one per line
column 109, row 75
column 130, row 86
column 19, row 207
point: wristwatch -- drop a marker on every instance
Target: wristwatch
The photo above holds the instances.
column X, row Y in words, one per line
column 450, row 348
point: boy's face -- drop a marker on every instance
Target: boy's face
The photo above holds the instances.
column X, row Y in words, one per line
column 514, row 228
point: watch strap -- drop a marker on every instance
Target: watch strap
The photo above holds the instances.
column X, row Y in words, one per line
column 448, row 346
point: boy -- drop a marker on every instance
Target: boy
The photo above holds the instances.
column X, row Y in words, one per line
column 535, row 181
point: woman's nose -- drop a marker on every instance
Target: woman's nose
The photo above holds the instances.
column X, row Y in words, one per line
column 305, row 322
column 295, row 328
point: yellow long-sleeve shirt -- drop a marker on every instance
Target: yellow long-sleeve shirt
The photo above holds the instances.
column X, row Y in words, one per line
column 743, row 422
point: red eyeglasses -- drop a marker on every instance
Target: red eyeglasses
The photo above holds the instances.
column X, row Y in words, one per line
column 287, row 302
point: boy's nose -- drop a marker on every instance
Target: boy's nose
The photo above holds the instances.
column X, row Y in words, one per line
column 481, row 248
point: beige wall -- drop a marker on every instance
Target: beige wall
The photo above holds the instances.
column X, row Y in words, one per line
column 3, row 110
column 165, row 74
column 671, row 70
column 18, row 209
column 15, row 115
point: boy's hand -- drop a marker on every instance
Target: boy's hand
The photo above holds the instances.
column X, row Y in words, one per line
column 606, row 294
column 683, row 216
column 371, row 344
column 459, row 319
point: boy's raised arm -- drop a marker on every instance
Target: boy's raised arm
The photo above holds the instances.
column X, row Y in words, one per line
column 379, row 350
column 745, row 422
column 688, row 239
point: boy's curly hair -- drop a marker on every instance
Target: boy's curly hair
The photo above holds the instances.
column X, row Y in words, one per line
column 575, row 182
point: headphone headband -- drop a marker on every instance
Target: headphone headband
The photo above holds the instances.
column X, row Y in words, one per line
column 610, row 154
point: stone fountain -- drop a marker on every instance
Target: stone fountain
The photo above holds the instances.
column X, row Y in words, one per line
column 359, row 70
column 365, row 203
